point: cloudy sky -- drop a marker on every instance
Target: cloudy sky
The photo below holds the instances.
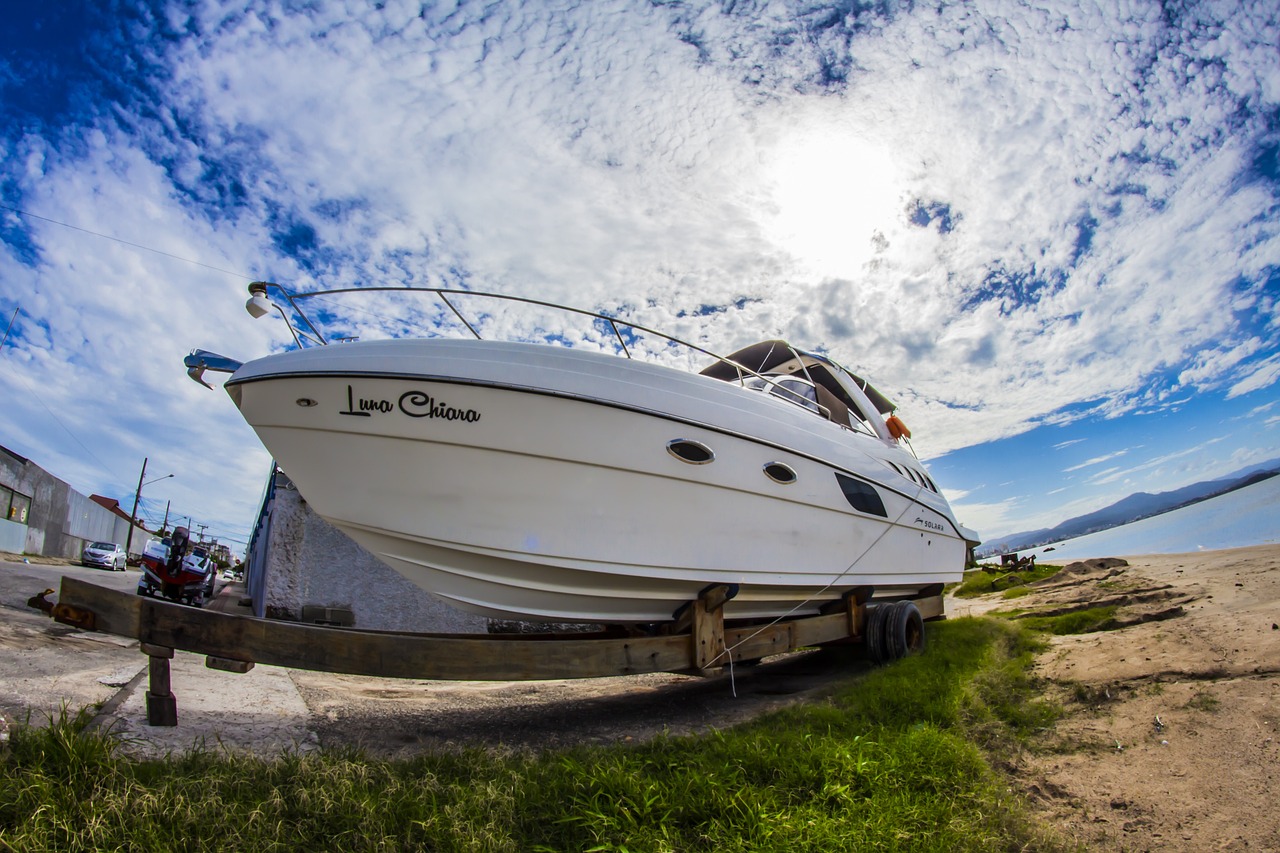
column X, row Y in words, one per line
column 1048, row 231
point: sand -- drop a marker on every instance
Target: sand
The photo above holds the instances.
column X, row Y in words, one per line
column 1172, row 734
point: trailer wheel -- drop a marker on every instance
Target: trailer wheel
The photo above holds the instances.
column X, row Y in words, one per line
column 874, row 633
column 903, row 630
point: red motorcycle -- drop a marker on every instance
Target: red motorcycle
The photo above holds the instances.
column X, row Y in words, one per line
column 175, row 569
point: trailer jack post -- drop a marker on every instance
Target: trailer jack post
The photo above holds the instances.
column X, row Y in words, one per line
column 162, row 705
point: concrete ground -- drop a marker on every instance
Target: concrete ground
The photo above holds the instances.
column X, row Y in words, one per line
column 46, row 668
column 259, row 711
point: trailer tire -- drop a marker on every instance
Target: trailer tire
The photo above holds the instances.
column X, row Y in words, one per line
column 903, row 630
column 874, row 633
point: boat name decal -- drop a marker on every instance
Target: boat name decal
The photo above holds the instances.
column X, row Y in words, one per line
column 415, row 404
column 931, row 525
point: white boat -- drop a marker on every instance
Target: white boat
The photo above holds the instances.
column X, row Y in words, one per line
column 540, row 482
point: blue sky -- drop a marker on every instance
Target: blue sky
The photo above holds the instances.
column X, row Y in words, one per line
column 1051, row 235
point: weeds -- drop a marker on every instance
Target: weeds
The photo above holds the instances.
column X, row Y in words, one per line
column 893, row 760
column 982, row 582
column 1077, row 622
column 1203, row 701
column 1074, row 622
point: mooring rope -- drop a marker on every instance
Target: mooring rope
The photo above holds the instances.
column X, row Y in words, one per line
column 728, row 650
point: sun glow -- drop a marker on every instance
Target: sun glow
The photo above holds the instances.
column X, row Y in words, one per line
column 837, row 197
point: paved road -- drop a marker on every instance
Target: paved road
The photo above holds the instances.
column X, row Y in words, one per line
column 20, row 581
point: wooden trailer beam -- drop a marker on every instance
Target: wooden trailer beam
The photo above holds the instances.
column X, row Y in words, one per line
column 236, row 643
column 324, row 649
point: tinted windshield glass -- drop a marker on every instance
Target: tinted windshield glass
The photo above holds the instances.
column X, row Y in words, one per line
column 792, row 389
column 798, row 391
column 103, row 546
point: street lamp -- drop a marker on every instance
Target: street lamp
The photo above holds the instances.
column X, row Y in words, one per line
column 133, row 516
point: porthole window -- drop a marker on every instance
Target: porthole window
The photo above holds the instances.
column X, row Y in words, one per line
column 780, row 473
column 693, row 452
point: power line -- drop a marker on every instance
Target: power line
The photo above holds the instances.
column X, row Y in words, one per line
column 123, row 242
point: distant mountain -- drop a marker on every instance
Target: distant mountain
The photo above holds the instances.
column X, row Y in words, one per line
column 1134, row 507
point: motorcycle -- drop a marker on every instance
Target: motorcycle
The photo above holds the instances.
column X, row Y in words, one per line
column 175, row 569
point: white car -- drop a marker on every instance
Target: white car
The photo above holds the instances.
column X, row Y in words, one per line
column 104, row 555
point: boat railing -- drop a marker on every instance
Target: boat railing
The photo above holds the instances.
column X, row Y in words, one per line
column 259, row 304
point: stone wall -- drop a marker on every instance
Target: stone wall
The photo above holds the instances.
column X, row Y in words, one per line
column 316, row 573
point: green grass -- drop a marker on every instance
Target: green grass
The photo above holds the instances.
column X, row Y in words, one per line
column 982, row 582
column 894, row 760
column 1079, row 622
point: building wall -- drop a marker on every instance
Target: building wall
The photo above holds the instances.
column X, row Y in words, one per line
column 87, row 520
column 61, row 520
column 312, row 567
column 13, row 536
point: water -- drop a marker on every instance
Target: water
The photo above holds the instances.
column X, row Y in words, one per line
column 1249, row 516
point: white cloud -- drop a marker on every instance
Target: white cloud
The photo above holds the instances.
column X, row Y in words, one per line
column 1263, row 375
column 1089, row 234
column 1097, row 460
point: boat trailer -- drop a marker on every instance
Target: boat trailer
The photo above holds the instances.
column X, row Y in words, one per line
column 698, row 641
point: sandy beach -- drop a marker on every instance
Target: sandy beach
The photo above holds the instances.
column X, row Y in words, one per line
column 1172, row 734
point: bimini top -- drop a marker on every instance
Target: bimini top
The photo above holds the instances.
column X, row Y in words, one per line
column 769, row 357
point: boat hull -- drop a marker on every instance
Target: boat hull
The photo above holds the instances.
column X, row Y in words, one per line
column 553, row 499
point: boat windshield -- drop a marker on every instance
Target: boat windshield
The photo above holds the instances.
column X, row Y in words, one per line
column 793, row 389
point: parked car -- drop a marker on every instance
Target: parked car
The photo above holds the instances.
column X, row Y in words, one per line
column 104, row 555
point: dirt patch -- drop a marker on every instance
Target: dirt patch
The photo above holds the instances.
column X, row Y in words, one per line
column 1172, row 739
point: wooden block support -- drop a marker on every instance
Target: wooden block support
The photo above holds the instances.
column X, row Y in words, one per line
column 228, row 665
column 708, row 628
column 855, row 601
column 162, row 705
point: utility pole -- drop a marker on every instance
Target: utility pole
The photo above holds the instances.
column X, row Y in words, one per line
column 202, row 528
column 137, row 496
column 165, row 526
column 133, row 516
